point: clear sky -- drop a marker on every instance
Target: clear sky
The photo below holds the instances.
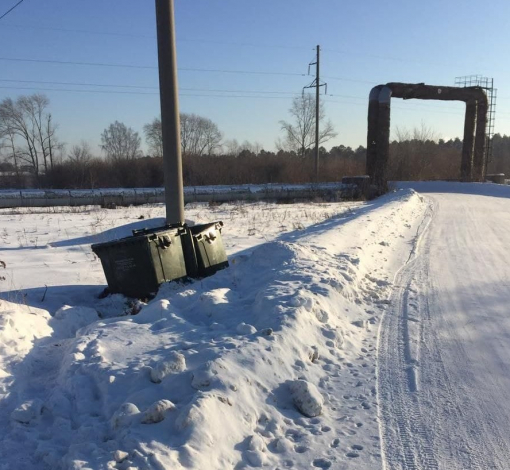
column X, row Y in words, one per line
column 364, row 43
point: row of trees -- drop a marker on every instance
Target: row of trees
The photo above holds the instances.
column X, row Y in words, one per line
column 243, row 168
column 28, row 135
column 28, row 141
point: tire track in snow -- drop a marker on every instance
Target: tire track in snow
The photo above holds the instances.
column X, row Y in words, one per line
column 405, row 441
column 435, row 410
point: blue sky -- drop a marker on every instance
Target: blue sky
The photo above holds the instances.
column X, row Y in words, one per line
column 363, row 43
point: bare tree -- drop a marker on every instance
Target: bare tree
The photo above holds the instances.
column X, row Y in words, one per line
column 413, row 152
column 199, row 135
column 30, row 131
column 232, row 147
column 300, row 136
column 154, row 137
column 120, row 142
column 211, row 136
column 8, row 145
column 33, row 108
column 80, row 154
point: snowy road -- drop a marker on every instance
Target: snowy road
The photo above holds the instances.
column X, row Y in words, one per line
column 444, row 345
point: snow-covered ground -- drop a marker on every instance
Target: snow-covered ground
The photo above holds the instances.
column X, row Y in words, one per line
column 444, row 352
column 272, row 362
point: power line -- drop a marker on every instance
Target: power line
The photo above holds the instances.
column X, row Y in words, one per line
column 194, row 95
column 209, row 93
column 80, row 31
column 151, row 67
column 78, row 91
column 223, row 43
column 228, row 43
column 150, row 36
column 214, row 90
column 79, row 84
column 355, row 80
column 8, row 11
column 246, row 72
column 184, row 69
column 423, row 106
column 383, row 57
column 117, row 92
column 146, row 87
column 64, row 62
column 205, row 90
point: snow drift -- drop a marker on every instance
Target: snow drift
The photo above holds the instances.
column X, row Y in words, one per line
column 270, row 362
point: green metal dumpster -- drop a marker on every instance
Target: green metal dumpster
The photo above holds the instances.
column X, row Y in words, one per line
column 209, row 250
column 136, row 266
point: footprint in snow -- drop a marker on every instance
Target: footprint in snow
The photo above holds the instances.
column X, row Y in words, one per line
column 321, row 463
column 301, row 449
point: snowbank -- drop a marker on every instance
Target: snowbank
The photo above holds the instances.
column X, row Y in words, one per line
column 270, row 362
column 20, row 327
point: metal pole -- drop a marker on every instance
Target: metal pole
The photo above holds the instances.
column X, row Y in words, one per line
column 170, row 122
column 317, row 108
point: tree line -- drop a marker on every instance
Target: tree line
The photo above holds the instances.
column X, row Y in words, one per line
column 31, row 155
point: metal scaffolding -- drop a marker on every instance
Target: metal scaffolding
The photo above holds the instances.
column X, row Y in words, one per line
column 488, row 85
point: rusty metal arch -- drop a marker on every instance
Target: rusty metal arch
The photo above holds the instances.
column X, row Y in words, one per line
column 474, row 158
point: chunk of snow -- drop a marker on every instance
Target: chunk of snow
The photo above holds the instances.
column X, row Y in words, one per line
column 27, row 411
column 284, row 446
column 255, row 458
column 302, row 300
column 120, row 456
column 124, row 416
column 307, row 398
column 245, row 329
column 174, row 363
column 71, row 319
column 255, row 442
column 202, row 378
column 157, row 411
column 313, row 354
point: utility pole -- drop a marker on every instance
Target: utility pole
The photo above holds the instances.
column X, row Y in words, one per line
column 317, row 84
column 170, row 121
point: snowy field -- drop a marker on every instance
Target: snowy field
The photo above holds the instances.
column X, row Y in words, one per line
column 343, row 336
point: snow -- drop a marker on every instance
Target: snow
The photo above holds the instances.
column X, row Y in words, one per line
column 174, row 363
column 157, row 412
column 27, row 411
column 443, row 372
column 269, row 363
column 306, row 397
